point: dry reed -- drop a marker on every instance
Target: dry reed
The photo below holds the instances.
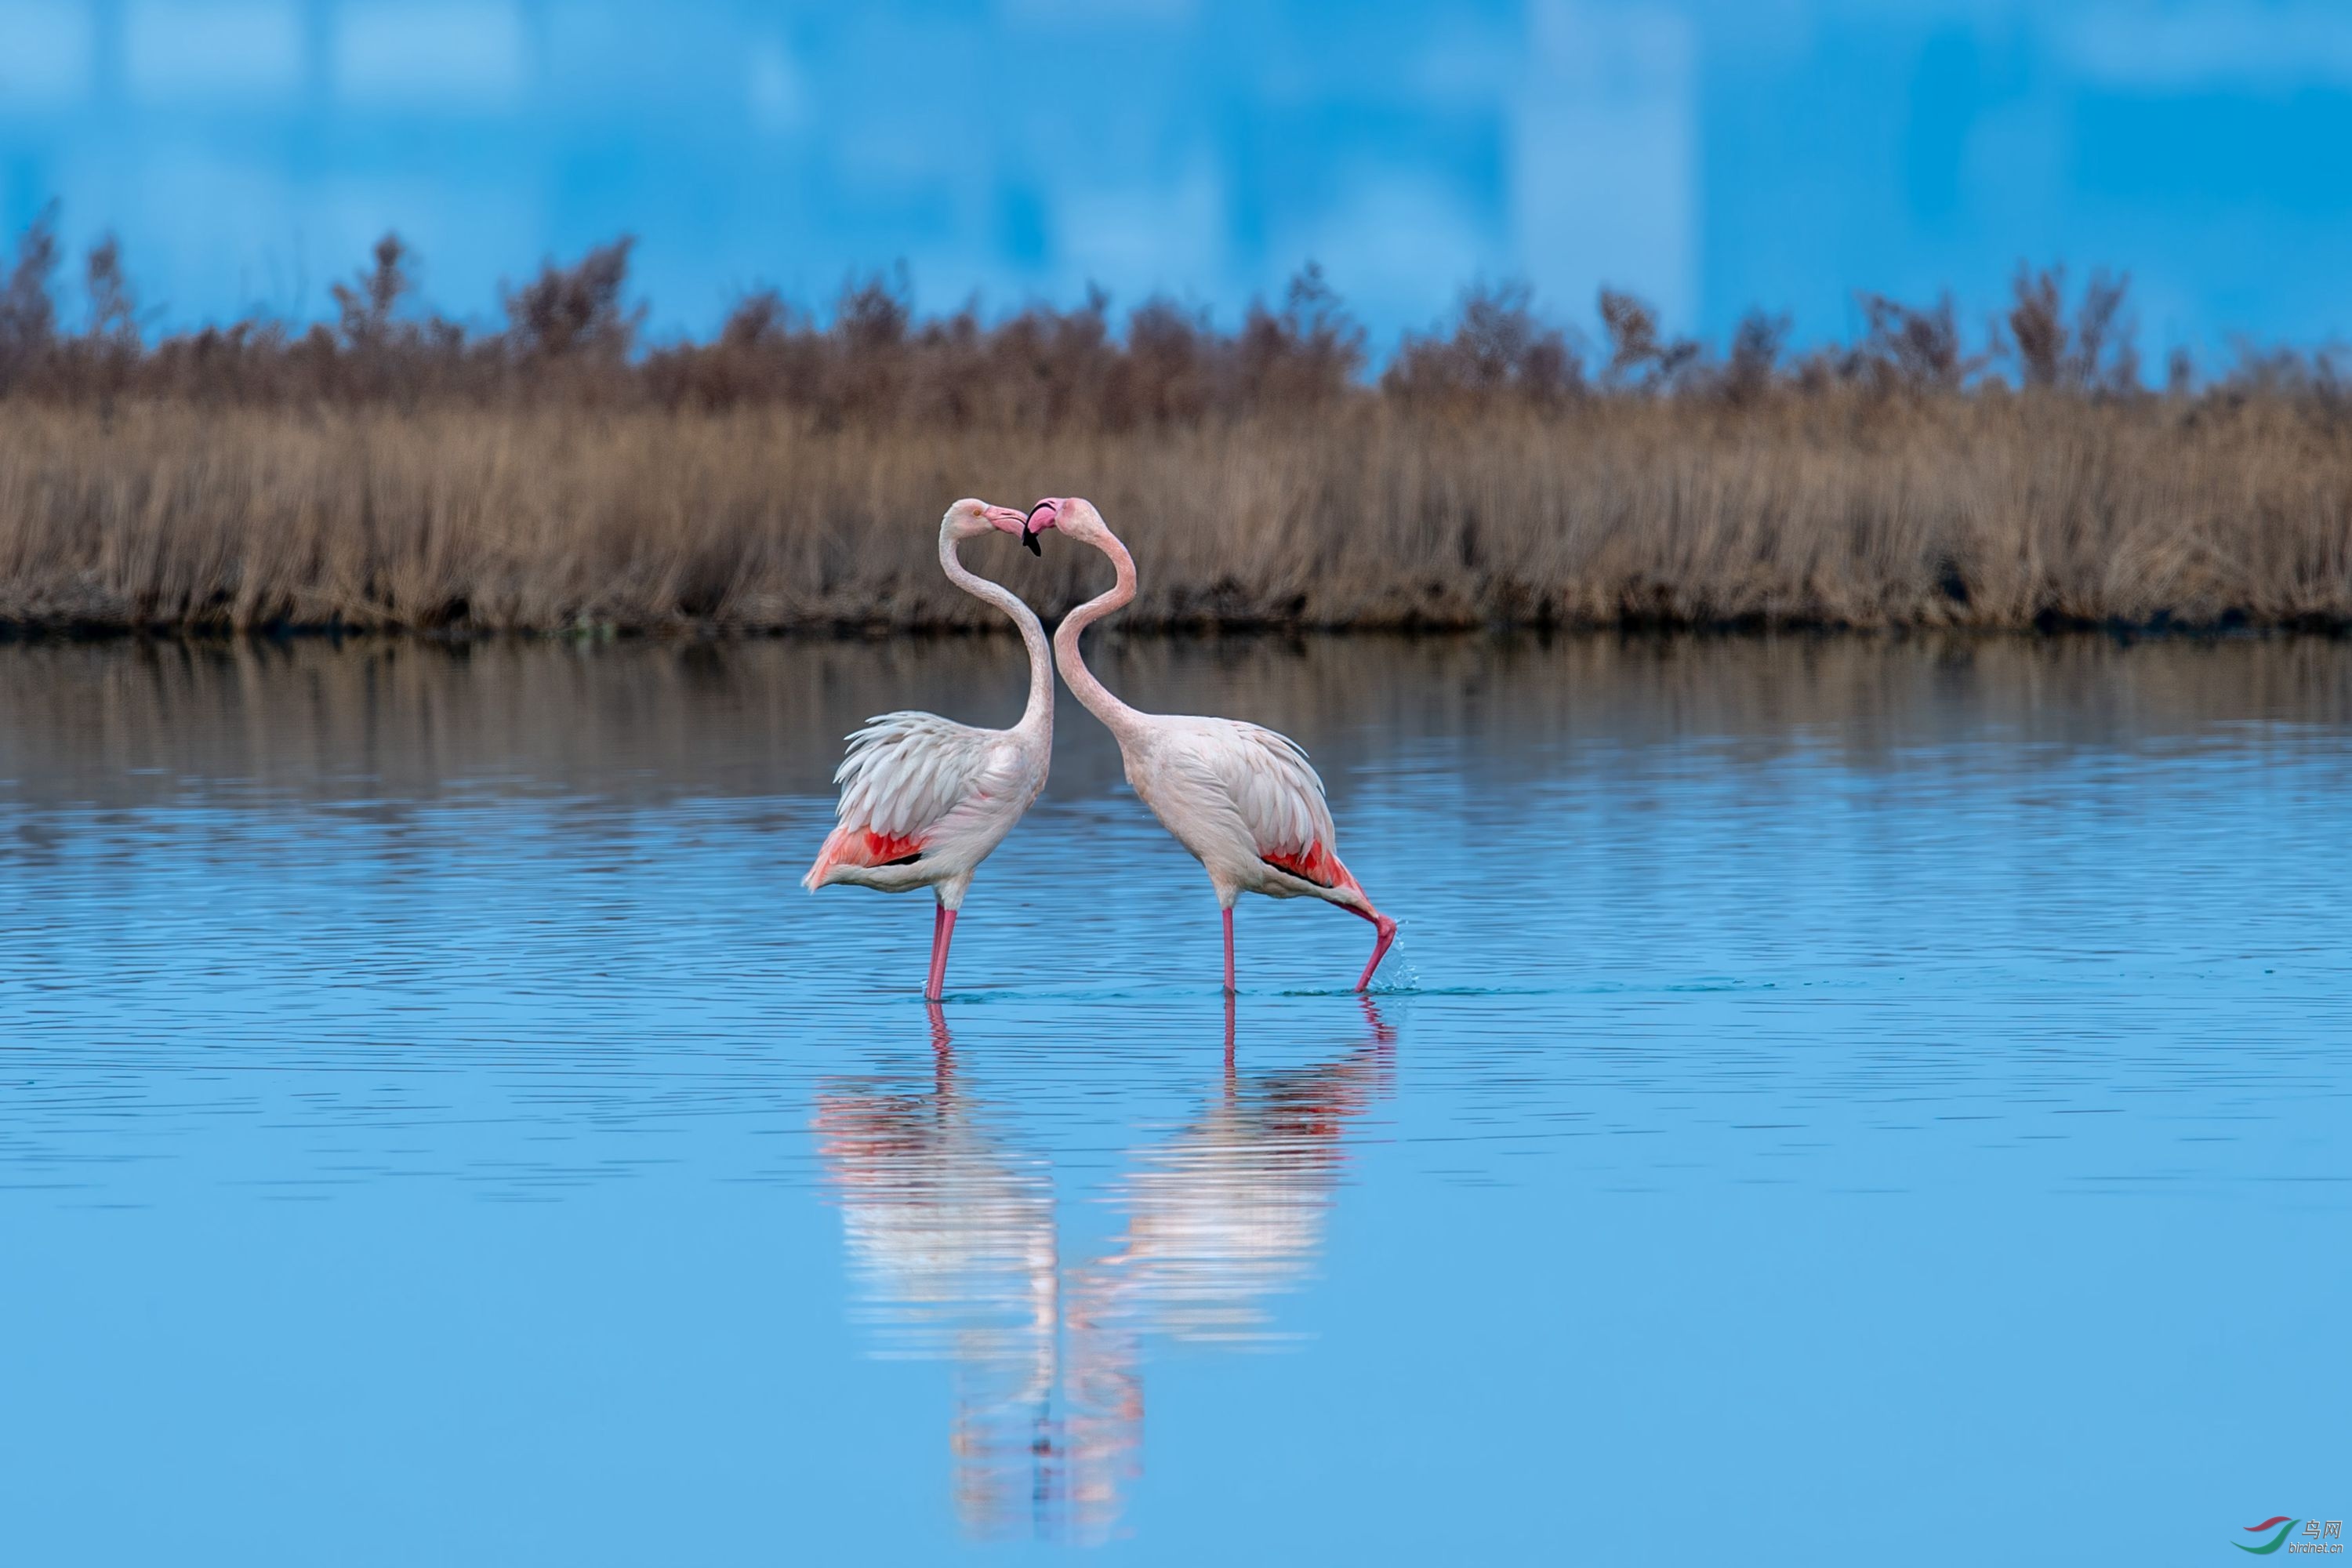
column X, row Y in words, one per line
column 395, row 472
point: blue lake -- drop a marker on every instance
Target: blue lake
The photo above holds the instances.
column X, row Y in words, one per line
column 1830, row 1102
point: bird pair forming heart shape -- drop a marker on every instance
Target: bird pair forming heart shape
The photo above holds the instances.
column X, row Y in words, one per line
column 924, row 800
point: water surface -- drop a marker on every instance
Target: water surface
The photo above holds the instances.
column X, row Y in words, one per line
column 1829, row 1101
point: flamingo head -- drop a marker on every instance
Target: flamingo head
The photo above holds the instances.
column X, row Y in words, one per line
column 970, row 518
column 1072, row 514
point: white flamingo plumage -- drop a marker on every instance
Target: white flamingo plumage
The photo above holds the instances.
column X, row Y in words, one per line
column 924, row 800
column 1242, row 799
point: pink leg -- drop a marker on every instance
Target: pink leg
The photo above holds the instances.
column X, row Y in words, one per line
column 1229, row 951
column 943, row 932
column 1387, row 930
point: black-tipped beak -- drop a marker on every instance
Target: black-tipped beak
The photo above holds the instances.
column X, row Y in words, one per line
column 1029, row 538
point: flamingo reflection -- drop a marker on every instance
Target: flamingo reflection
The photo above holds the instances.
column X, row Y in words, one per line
column 955, row 1254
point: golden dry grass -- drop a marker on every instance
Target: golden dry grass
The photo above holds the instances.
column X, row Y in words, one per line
column 1987, row 510
column 397, row 469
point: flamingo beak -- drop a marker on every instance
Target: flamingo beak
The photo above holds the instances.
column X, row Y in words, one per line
column 1013, row 522
column 1033, row 525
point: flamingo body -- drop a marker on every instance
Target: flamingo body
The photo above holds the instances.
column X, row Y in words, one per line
column 924, row 800
column 1247, row 803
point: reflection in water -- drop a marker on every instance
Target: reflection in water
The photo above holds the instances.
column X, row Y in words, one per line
column 955, row 1250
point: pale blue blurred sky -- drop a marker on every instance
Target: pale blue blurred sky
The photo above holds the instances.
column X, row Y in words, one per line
column 1710, row 155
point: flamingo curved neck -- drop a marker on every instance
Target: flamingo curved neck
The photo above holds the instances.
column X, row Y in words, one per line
column 1038, row 717
column 1121, row 720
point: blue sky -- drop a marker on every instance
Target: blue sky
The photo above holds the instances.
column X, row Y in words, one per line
column 1712, row 156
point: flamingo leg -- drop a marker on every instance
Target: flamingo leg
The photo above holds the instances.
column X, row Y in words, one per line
column 1387, row 929
column 943, row 932
column 1229, row 950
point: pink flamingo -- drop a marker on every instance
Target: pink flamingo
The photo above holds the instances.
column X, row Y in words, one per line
column 1243, row 800
column 924, row 800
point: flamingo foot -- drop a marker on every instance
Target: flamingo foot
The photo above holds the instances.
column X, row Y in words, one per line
column 943, row 932
column 1387, row 929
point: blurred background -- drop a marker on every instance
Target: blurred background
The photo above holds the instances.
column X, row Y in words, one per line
column 1712, row 156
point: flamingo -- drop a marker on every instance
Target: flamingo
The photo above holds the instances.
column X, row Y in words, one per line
column 924, row 800
column 1242, row 799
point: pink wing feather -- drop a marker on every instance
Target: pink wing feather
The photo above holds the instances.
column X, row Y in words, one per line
column 904, row 774
column 1280, row 798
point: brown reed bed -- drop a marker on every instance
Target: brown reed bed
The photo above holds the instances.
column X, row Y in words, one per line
column 398, row 472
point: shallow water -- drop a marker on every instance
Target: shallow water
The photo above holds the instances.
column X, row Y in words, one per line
column 1829, row 1101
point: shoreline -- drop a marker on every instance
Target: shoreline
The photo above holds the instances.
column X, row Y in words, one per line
column 19, row 634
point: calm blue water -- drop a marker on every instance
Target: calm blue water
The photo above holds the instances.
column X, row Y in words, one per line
column 1831, row 1101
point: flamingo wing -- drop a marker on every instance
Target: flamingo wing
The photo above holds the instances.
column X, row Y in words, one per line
column 906, row 774
column 1279, row 797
